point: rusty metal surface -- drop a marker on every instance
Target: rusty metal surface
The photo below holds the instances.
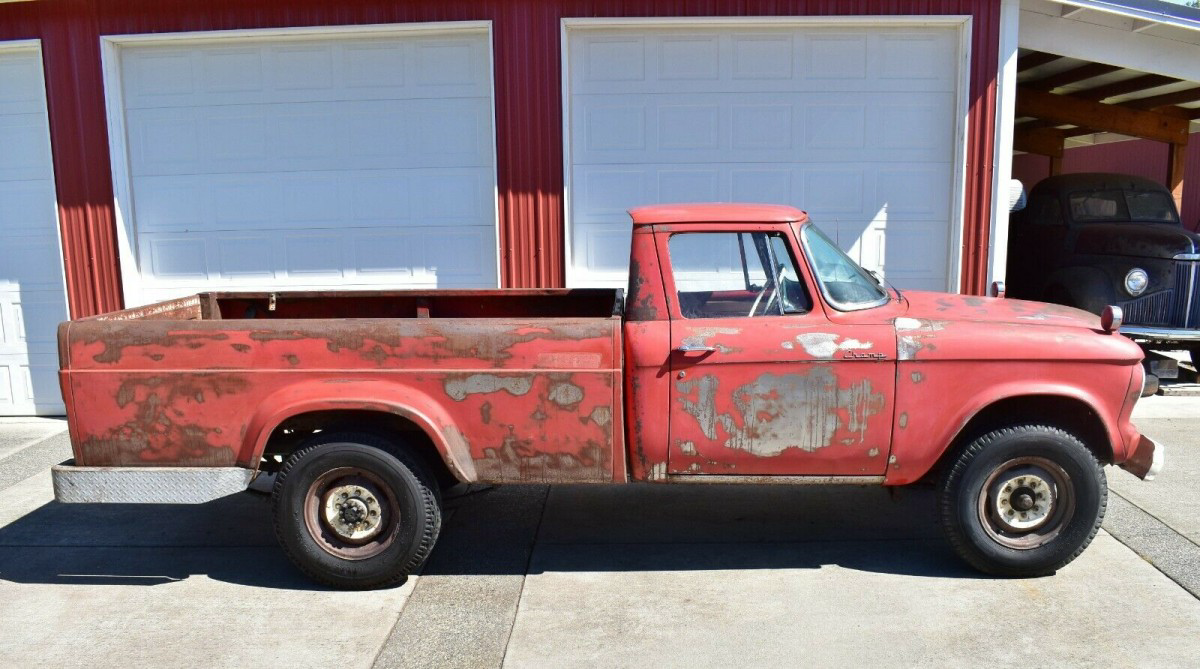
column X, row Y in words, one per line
column 532, row 400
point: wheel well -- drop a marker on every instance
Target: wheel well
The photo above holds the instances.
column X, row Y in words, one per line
column 295, row 430
column 1066, row 413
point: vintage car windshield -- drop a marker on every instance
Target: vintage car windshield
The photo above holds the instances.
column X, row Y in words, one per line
column 845, row 285
column 1120, row 206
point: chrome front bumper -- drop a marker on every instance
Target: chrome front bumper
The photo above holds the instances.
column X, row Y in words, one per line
column 1143, row 333
column 1146, row 462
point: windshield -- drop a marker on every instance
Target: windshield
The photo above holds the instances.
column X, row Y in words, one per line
column 845, row 285
column 1119, row 206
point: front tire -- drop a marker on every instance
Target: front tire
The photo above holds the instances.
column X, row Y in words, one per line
column 355, row 511
column 1023, row 501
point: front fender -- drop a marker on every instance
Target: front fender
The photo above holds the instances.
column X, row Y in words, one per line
column 362, row 395
column 1087, row 288
column 932, row 417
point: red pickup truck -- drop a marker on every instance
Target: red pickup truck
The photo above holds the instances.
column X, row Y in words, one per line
column 747, row 349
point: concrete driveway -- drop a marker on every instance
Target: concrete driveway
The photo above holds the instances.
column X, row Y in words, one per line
column 599, row 576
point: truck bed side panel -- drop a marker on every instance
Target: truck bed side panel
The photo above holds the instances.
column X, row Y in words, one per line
column 511, row 400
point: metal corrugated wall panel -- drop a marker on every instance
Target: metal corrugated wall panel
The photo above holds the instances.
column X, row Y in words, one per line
column 526, row 36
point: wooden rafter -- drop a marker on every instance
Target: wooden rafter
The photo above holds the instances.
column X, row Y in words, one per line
column 1125, row 87
column 1042, row 141
column 1166, row 99
column 1035, row 59
column 1066, row 77
column 1067, row 110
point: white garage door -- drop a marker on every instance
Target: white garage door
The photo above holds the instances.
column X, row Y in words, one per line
column 855, row 124
column 279, row 161
column 32, row 294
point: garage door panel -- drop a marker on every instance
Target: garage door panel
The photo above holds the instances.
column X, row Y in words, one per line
column 425, row 256
column 32, row 294
column 854, row 124
column 775, row 60
column 757, row 127
column 314, row 200
column 318, row 136
column 315, row 70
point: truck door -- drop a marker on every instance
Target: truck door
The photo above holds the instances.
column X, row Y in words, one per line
column 763, row 381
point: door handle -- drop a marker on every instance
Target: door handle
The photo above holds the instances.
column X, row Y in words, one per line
column 689, row 348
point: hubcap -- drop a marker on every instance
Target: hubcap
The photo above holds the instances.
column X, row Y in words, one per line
column 1026, row 502
column 352, row 512
column 1023, row 499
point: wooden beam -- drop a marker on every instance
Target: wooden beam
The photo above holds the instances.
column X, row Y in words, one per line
column 1055, row 166
column 1176, row 159
column 1035, row 59
column 1178, row 97
column 1042, row 141
column 1062, row 109
column 1086, row 71
column 1125, row 86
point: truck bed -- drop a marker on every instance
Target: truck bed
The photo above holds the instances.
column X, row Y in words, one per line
column 513, row 385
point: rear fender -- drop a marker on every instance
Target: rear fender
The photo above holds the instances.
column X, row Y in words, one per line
column 360, row 395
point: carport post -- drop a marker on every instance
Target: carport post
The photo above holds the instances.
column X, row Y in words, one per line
column 1176, row 159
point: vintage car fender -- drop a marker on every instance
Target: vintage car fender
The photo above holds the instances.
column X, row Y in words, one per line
column 921, row 440
column 364, row 395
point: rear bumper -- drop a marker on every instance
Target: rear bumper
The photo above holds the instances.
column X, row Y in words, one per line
column 147, row 485
column 1146, row 461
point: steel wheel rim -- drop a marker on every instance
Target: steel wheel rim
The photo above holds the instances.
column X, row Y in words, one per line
column 333, row 520
column 1026, row 502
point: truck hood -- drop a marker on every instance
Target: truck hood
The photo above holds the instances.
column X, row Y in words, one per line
column 943, row 307
column 1140, row 240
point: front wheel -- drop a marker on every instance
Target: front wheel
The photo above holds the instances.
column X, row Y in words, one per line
column 1023, row 501
column 355, row 511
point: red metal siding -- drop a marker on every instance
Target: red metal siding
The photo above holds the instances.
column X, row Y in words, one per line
column 1140, row 157
column 528, row 74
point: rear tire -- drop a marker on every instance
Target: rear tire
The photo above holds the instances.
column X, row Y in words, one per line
column 1023, row 501
column 355, row 511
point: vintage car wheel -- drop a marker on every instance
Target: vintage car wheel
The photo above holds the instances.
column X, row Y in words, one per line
column 354, row 511
column 1023, row 501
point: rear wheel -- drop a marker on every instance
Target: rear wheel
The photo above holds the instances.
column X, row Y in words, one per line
column 356, row 511
column 1023, row 501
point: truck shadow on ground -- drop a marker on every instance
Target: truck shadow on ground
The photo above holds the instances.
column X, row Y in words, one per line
column 514, row 529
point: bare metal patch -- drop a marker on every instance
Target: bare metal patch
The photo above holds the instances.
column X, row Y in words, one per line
column 601, row 416
column 778, row 412
column 917, row 377
column 825, row 345
column 688, row 447
column 873, row 453
column 566, row 394
column 904, row 420
column 459, row 388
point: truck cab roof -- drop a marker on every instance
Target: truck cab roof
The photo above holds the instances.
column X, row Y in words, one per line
column 716, row 212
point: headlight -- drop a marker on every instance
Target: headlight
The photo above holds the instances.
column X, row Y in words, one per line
column 1136, row 281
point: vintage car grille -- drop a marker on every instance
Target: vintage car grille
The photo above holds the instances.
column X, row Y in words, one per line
column 1176, row 307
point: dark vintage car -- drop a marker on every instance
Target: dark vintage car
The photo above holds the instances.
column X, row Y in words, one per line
column 1091, row 240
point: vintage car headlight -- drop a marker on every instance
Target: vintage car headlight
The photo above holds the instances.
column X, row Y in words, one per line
column 1136, row 281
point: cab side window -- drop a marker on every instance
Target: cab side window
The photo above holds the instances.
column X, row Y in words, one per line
column 723, row 274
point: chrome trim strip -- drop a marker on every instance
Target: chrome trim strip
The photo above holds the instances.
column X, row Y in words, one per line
column 1172, row 334
column 780, row 480
column 1187, row 308
column 1187, row 256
